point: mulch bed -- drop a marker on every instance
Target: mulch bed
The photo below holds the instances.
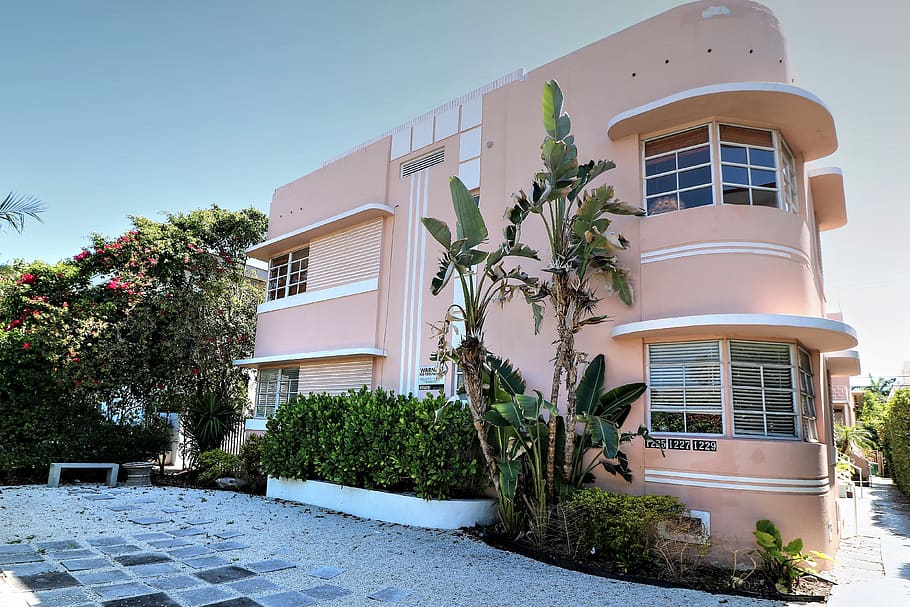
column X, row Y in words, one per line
column 716, row 580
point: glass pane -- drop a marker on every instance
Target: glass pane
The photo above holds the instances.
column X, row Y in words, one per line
column 661, row 164
column 659, row 185
column 762, row 158
column 764, row 198
column 661, row 204
column 734, row 195
column 704, row 424
column 732, row 153
column 694, row 177
column 697, row 198
column 677, row 141
column 732, row 174
column 667, row 422
column 748, row 399
column 690, row 158
column 762, row 178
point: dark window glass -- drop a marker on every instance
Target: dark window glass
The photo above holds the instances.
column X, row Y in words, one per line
column 661, row 164
column 732, row 153
column 763, row 178
column 762, row 158
column 734, row 195
column 666, row 183
column 690, row 158
column 694, row 177
column 733, row 174
column 764, row 198
column 696, row 198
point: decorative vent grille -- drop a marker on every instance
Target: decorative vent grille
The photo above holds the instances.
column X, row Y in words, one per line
column 424, row 162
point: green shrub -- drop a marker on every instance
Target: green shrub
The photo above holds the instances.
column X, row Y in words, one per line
column 251, row 462
column 783, row 564
column 216, row 463
column 374, row 440
column 620, row 527
column 897, row 431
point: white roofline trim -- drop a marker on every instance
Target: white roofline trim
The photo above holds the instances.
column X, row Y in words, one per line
column 854, row 354
column 277, row 358
column 831, row 170
column 373, row 206
column 726, row 87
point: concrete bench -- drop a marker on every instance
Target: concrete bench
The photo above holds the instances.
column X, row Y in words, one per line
column 53, row 477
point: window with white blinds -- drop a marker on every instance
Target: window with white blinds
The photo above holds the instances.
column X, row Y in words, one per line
column 276, row 387
column 807, row 395
column 686, row 392
column 336, row 376
column 762, row 383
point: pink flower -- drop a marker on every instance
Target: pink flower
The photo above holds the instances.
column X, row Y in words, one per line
column 26, row 346
column 82, row 255
column 161, row 386
column 14, row 324
column 27, row 279
column 194, row 371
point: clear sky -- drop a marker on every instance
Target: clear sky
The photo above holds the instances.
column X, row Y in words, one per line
column 112, row 108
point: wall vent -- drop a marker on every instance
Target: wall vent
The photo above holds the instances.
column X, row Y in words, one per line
column 424, row 162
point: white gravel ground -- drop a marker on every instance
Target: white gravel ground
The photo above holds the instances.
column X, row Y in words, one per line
column 437, row 567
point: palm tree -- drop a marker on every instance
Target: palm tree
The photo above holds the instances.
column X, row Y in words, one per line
column 15, row 208
column 848, row 438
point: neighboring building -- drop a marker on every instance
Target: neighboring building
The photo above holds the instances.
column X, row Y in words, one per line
column 698, row 109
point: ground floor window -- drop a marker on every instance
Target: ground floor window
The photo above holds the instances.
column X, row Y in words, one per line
column 276, row 387
column 769, row 387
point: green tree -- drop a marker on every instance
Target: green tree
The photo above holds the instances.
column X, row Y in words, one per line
column 897, row 432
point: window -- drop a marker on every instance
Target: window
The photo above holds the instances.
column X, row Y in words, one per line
column 276, row 387
column 755, row 168
column 763, row 391
column 769, row 387
column 678, row 171
column 288, row 274
column 685, row 384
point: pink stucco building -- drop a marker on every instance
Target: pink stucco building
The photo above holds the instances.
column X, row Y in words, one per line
column 699, row 109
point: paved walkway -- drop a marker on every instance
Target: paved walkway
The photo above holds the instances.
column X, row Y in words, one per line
column 873, row 563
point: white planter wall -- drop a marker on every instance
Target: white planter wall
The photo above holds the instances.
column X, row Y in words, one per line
column 388, row 507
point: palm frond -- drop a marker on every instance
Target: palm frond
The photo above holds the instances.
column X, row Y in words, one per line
column 15, row 208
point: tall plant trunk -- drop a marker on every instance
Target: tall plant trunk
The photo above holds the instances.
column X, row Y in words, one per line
column 472, row 365
column 559, row 297
column 571, row 368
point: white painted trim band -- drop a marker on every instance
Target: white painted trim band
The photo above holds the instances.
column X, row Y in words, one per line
column 737, row 487
column 354, row 288
column 278, row 358
column 783, row 321
column 712, row 248
column 820, row 482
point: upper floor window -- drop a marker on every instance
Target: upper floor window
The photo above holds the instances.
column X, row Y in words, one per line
column 755, row 168
column 288, row 274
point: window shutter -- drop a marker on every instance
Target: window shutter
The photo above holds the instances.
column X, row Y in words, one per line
column 344, row 257
column 685, row 375
column 763, row 390
column 336, row 376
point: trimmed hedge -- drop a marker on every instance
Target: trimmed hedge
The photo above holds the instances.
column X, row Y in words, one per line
column 897, row 431
column 375, row 440
column 619, row 527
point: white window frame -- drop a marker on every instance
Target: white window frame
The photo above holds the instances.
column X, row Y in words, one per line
column 678, row 190
column 685, row 409
column 296, row 278
column 285, row 377
column 787, row 189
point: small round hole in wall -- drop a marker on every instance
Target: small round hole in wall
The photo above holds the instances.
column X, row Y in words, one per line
column 780, row 60
column 709, row 50
column 751, row 51
column 666, row 61
column 634, row 74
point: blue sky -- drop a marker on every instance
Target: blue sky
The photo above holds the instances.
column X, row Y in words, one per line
column 115, row 108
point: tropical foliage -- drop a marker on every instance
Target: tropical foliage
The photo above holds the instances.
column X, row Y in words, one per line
column 129, row 328
column 897, row 433
column 783, row 564
column 15, row 209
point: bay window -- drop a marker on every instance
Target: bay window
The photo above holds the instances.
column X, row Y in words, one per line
column 769, row 387
column 754, row 167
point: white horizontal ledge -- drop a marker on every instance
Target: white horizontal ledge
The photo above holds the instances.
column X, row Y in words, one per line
column 354, row 288
column 822, row 334
column 280, row 358
column 285, row 242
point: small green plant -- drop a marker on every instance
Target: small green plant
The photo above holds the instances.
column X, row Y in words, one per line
column 251, row 462
column 216, row 463
column 782, row 564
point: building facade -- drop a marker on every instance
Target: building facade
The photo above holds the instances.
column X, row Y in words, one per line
column 699, row 110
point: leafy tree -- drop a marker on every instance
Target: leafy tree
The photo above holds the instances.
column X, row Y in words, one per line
column 881, row 385
column 14, row 209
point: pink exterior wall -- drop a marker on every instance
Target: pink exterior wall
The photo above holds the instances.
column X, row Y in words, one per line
column 676, row 51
